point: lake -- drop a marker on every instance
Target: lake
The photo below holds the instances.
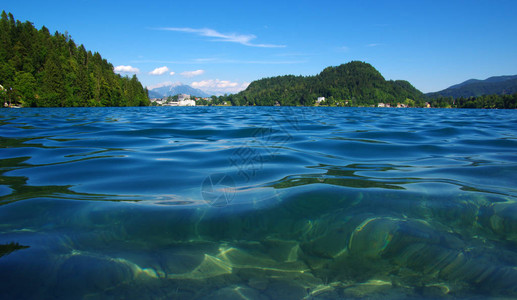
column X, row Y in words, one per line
column 258, row 203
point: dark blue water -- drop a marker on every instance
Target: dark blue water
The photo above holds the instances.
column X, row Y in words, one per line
column 258, row 203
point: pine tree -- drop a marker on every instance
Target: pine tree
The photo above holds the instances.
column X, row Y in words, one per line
column 40, row 69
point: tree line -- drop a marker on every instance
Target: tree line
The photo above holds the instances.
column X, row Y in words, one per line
column 486, row 101
column 38, row 69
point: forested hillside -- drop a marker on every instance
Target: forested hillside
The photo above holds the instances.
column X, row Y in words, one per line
column 38, row 69
column 353, row 84
column 487, row 101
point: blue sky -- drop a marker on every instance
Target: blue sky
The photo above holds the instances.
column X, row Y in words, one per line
column 222, row 45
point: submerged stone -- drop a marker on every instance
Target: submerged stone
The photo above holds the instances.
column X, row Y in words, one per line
column 281, row 289
column 501, row 218
column 86, row 273
column 369, row 288
column 210, row 267
column 237, row 293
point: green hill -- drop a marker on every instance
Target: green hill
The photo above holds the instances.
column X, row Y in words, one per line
column 42, row 70
column 353, row 84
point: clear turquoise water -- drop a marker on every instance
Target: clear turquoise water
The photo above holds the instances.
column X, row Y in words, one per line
column 258, row 203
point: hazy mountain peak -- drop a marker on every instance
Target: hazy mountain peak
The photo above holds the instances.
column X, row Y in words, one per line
column 500, row 85
column 174, row 88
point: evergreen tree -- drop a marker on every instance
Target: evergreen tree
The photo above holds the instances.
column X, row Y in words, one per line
column 40, row 69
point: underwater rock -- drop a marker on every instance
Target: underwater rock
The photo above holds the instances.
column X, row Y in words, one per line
column 501, row 218
column 282, row 250
column 331, row 243
column 258, row 283
column 457, row 212
column 182, row 258
column 210, row 267
column 240, row 259
column 386, row 236
column 435, row 290
column 372, row 237
column 236, row 293
column 417, row 245
column 328, row 236
column 369, row 288
column 86, row 273
column 322, row 291
column 285, row 290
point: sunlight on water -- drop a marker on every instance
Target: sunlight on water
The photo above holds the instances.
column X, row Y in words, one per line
column 258, row 203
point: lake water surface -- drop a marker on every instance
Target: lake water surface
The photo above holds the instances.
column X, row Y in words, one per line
column 257, row 203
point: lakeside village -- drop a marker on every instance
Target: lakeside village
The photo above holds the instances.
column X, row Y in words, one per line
column 186, row 100
column 321, row 101
column 178, row 100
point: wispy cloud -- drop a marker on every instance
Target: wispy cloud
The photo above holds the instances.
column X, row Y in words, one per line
column 374, row 45
column 267, row 62
column 243, row 39
column 343, row 49
column 159, row 71
column 293, row 54
column 192, row 73
column 126, row 69
column 172, row 73
column 221, row 61
column 205, row 60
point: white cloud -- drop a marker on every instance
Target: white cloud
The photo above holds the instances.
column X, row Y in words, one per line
column 126, row 69
column 220, row 86
column 192, row 73
column 374, row 45
column 162, row 84
column 159, row 71
column 211, row 83
column 172, row 73
column 243, row 39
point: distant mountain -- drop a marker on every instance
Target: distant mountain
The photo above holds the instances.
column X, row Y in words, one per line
column 175, row 89
column 497, row 85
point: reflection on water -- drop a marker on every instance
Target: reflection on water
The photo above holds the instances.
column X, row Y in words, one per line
column 8, row 248
column 310, row 203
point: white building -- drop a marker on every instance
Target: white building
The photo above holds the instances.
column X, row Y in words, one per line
column 320, row 99
column 186, row 102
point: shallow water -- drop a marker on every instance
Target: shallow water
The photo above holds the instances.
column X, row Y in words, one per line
column 258, row 203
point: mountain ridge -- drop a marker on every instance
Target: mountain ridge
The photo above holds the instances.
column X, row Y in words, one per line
column 175, row 89
column 495, row 85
